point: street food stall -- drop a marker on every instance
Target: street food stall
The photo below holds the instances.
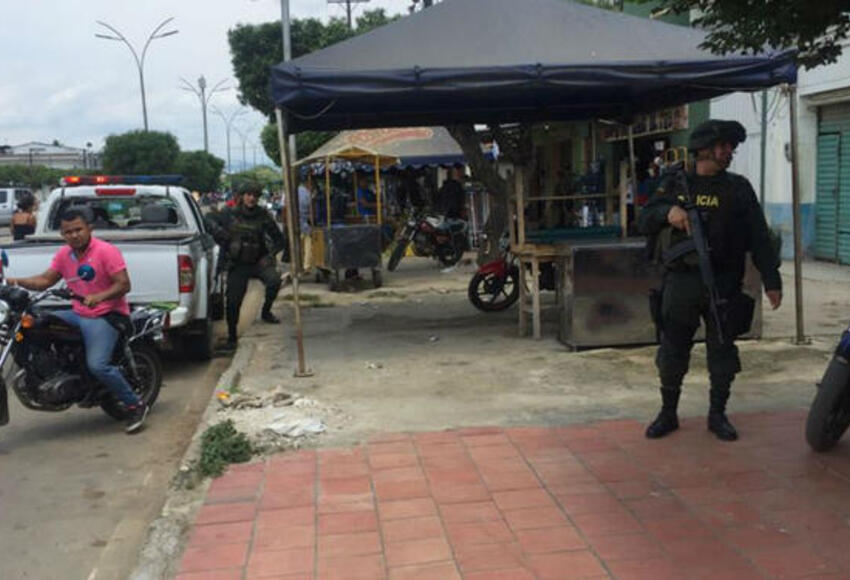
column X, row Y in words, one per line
column 354, row 241
column 565, row 62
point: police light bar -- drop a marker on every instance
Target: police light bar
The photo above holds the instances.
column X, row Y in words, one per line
column 72, row 180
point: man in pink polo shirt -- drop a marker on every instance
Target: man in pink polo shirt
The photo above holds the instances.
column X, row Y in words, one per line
column 102, row 295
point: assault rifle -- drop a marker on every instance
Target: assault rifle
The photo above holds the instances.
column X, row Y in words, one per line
column 700, row 244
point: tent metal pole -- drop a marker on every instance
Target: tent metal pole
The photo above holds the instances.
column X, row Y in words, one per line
column 624, row 206
column 290, row 202
column 328, row 195
column 378, row 191
column 791, row 91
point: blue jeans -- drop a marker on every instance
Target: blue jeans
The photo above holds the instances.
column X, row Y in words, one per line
column 99, row 338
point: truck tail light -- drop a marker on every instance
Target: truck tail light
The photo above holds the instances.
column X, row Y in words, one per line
column 186, row 274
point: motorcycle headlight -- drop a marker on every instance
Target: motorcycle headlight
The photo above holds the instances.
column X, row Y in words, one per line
column 4, row 311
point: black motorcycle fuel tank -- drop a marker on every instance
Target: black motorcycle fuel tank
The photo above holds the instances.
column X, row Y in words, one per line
column 47, row 327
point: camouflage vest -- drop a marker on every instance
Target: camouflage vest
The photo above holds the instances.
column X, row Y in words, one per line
column 247, row 245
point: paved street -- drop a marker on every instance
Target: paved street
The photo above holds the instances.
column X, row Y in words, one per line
column 77, row 493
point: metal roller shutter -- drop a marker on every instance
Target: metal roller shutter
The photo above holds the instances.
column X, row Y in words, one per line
column 832, row 202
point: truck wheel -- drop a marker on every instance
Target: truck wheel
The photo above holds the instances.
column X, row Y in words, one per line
column 199, row 345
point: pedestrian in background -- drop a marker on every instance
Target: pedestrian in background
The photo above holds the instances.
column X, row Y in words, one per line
column 23, row 220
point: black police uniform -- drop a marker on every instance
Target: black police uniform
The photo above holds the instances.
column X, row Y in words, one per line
column 734, row 225
column 250, row 239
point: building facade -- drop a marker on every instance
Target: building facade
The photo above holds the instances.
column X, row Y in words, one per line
column 823, row 117
column 50, row 155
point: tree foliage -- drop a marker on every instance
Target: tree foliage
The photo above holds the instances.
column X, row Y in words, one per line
column 815, row 28
column 201, row 171
column 267, row 178
column 35, row 176
column 140, row 153
column 255, row 48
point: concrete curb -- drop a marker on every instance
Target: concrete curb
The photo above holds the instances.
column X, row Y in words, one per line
column 166, row 535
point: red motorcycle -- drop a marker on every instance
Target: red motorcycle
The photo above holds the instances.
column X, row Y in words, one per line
column 445, row 240
column 495, row 286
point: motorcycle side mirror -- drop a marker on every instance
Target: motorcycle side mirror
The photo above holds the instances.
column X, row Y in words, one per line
column 85, row 273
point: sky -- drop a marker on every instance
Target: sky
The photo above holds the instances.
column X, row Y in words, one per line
column 61, row 82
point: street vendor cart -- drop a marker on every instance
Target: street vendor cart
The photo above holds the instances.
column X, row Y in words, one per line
column 352, row 241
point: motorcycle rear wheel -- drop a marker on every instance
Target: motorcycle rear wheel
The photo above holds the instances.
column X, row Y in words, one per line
column 829, row 415
column 489, row 294
column 146, row 386
column 448, row 256
column 397, row 255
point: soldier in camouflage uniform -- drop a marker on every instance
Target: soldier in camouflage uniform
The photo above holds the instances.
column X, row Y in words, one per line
column 250, row 239
column 734, row 225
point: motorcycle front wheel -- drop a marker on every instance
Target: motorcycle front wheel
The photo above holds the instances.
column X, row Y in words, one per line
column 398, row 254
column 146, row 385
column 829, row 415
column 490, row 293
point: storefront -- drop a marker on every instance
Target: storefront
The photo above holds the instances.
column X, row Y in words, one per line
column 832, row 201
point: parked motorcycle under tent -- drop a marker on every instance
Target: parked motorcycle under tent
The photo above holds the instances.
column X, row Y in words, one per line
column 484, row 61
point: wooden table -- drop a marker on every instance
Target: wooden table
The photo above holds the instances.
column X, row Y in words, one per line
column 530, row 256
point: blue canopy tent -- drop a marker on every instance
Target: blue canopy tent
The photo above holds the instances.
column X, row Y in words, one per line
column 502, row 61
column 507, row 61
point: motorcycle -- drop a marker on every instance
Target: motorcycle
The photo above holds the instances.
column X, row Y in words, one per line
column 829, row 415
column 495, row 285
column 51, row 358
column 445, row 240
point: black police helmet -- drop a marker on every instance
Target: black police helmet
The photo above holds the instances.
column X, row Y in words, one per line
column 716, row 131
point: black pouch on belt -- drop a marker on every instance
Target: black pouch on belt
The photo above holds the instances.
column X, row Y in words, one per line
column 736, row 313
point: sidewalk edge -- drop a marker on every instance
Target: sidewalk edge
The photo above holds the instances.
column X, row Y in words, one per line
column 166, row 534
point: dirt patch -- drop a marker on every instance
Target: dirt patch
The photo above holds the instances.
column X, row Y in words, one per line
column 431, row 360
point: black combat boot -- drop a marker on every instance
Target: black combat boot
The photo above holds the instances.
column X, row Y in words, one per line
column 667, row 421
column 268, row 317
column 717, row 421
column 231, row 343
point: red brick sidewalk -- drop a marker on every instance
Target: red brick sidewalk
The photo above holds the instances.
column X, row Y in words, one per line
column 594, row 501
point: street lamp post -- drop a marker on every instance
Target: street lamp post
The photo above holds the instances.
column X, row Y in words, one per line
column 140, row 62
column 243, row 135
column 204, row 97
column 228, row 124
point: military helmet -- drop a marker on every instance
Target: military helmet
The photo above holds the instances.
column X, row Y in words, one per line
column 244, row 186
column 714, row 131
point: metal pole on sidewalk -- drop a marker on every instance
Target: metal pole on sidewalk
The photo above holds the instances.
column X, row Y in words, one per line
column 290, row 202
column 791, row 91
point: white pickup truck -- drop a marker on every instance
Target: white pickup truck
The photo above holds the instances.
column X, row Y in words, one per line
column 171, row 258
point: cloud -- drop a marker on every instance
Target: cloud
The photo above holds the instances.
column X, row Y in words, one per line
column 63, row 83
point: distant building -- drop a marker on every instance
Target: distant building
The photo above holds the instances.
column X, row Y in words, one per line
column 51, row 155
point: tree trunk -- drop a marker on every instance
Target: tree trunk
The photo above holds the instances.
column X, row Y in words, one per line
column 498, row 190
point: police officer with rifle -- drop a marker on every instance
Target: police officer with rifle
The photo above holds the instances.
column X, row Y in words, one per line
column 700, row 226
column 250, row 239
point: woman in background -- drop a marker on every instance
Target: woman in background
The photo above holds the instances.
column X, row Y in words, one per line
column 23, row 220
